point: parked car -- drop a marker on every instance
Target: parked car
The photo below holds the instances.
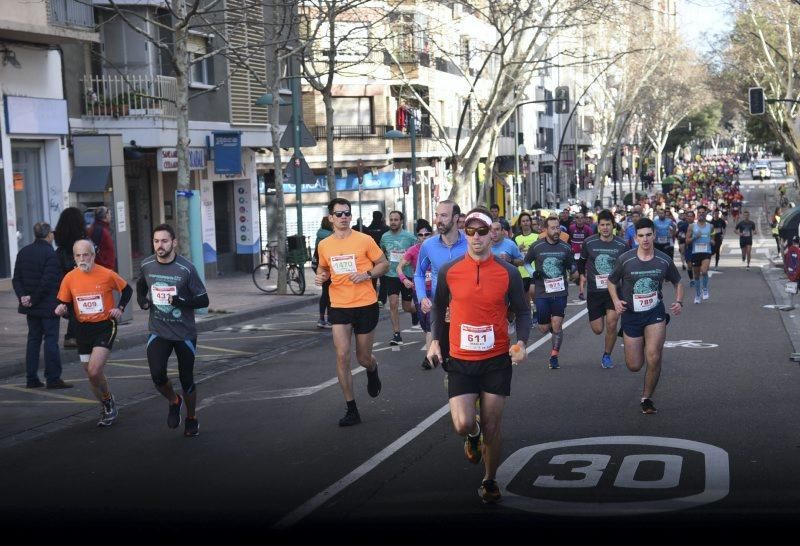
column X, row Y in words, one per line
column 760, row 171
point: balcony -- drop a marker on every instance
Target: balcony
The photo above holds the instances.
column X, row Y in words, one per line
column 129, row 97
column 72, row 13
column 407, row 56
column 320, row 132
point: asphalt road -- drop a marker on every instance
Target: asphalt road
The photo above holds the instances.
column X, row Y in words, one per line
column 579, row 457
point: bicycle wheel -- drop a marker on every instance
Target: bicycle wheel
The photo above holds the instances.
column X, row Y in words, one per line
column 265, row 277
column 296, row 280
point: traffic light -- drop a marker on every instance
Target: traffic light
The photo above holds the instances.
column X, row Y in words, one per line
column 756, row 100
column 562, row 100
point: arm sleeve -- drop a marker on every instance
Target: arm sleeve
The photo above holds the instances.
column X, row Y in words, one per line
column 616, row 275
column 520, row 305
column 673, row 275
column 64, row 294
column 125, row 296
column 441, row 299
column 374, row 252
column 530, row 257
column 141, row 292
column 419, row 273
column 16, row 280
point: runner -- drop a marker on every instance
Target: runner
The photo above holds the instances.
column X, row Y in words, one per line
column 745, row 230
column 578, row 232
column 598, row 257
column 449, row 244
column 665, row 233
column 680, row 236
column 477, row 289
column 699, row 237
column 635, row 287
column 394, row 244
column 424, row 230
column 90, row 289
column 553, row 261
column 528, row 235
column 719, row 225
column 171, row 289
column 630, row 228
column 504, row 248
column 351, row 260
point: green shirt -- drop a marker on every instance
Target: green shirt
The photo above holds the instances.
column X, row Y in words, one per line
column 524, row 242
column 394, row 245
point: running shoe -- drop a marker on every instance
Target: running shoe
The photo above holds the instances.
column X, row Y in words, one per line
column 472, row 448
column 321, row 323
column 705, row 293
column 747, row 268
column 697, row 299
column 647, row 407
column 373, row 382
column 191, row 427
column 489, row 492
column 426, row 364
column 350, row 418
column 396, row 339
column 554, row 362
column 414, row 318
column 742, row 259
column 581, row 296
column 606, row 361
column 109, row 414
column 174, row 415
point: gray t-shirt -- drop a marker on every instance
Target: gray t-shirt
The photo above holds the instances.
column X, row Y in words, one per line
column 178, row 277
column 553, row 263
column 641, row 282
column 746, row 228
column 600, row 258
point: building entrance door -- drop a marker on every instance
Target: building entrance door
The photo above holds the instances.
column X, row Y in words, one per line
column 28, row 199
column 224, row 225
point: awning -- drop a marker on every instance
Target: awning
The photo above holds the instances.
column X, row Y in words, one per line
column 90, row 180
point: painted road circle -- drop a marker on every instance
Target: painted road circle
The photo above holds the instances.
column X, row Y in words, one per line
column 689, row 344
column 614, row 476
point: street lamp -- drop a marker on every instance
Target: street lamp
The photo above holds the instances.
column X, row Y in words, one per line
column 412, row 130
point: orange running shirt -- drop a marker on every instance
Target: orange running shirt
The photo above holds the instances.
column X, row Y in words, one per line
column 91, row 294
column 356, row 253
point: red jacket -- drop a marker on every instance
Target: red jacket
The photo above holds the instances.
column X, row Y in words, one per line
column 106, row 254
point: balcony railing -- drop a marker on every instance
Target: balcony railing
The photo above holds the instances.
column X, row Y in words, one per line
column 407, row 56
column 74, row 13
column 129, row 96
column 351, row 131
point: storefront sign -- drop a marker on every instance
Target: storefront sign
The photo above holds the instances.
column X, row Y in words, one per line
column 167, row 160
column 207, row 214
column 245, row 201
column 228, row 153
column 36, row 116
column 122, row 225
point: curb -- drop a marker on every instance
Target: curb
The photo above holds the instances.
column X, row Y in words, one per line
column 132, row 339
column 775, row 278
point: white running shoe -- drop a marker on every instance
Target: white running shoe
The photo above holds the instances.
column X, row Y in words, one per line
column 705, row 293
column 697, row 299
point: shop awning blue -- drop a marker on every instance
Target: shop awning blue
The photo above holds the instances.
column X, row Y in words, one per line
column 90, row 180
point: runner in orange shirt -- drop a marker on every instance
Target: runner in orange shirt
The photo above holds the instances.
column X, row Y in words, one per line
column 90, row 289
column 351, row 260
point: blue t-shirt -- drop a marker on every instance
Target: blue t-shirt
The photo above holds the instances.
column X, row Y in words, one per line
column 508, row 247
column 630, row 236
column 434, row 254
column 662, row 231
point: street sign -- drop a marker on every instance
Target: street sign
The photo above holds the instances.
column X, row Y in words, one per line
column 307, row 140
column 307, row 176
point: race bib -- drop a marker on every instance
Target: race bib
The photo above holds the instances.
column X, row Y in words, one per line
column 746, row 233
column 160, row 294
column 662, row 240
column 89, row 305
column 791, row 287
column 343, row 265
column 645, row 302
column 577, row 256
column 554, row 285
column 702, row 248
column 477, row 338
column 601, row 281
column 396, row 255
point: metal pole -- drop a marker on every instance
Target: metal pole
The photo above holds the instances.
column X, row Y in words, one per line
column 298, row 173
column 413, row 126
column 516, row 160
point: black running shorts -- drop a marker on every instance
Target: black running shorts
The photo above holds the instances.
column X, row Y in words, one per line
column 697, row 259
column 492, row 375
column 396, row 286
column 89, row 335
column 362, row 319
column 597, row 303
column 745, row 241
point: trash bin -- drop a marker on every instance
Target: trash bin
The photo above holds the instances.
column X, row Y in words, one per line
column 297, row 252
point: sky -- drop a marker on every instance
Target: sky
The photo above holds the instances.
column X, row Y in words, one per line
column 697, row 18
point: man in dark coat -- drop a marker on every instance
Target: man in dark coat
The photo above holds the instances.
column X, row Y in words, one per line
column 37, row 276
column 376, row 230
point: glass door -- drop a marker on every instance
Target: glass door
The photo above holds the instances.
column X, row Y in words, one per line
column 28, row 199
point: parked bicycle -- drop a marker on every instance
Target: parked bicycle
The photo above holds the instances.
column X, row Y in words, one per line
column 265, row 275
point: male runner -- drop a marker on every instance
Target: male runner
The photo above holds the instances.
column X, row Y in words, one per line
column 635, row 287
column 630, row 228
column 699, row 237
column 351, row 260
column 745, row 230
column 680, row 236
column 665, row 233
column 718, row 225
column 598, row 257
column 553, row 258
column 394, row 244
column 578, row 232
column 90, row 289
column 171, row 289
column 478, row 289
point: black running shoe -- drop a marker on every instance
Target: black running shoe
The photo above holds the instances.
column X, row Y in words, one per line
column 350, row 418
column 489, row 492
column 373, row 382
column 414, row 319
column 191, row 427
column 174, row 415
column 396, row 339
column 648, row 408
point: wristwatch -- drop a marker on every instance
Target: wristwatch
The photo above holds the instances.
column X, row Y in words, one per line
column 369, row 273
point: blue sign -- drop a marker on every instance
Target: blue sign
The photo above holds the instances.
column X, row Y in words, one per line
column 382, row 181
column 227, row 152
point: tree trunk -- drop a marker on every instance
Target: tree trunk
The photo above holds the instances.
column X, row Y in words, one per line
column 331, row 169
column 280, row 205
column 184, row 181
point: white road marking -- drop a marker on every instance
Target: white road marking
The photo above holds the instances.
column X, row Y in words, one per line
column 321, row 498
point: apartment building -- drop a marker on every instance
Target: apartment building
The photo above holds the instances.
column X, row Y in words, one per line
column 34, row 159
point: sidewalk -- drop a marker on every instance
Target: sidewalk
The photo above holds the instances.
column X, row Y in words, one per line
column 232, row 298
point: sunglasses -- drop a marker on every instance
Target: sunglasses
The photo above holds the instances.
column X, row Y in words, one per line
column 482, row 231
column 424, row 234
column 340, row 213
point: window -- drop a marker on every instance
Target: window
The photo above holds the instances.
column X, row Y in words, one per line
column 202, row 72
column 352, row 111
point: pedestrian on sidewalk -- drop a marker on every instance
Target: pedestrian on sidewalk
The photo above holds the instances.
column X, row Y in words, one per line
column 325, row 229
column 71, row 227
column 37, row 276
column 100, row 234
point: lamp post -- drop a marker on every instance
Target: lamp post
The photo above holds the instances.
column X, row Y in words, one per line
column 412, row 133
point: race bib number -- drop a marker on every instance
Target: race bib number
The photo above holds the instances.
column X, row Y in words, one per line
column 477, row 338
column 702, row 248
column 343, row 265
column 747, row 233
column 161, row 294
column 577, row 256
column 791, row 287
column 89, row 305
column 662, row 240
column 645, row 302
column 601, row 281
column 396, row 255
column 554, row 285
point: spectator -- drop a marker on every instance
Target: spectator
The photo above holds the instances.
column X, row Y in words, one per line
column 326, row 229
column 71, row 227
column 376, row 230
column 37, row 277
column 100, row 234
column 551, row 199
column 495, row 210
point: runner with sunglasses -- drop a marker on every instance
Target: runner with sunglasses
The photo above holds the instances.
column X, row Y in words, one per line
column 409, row 260
column 351, row 260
